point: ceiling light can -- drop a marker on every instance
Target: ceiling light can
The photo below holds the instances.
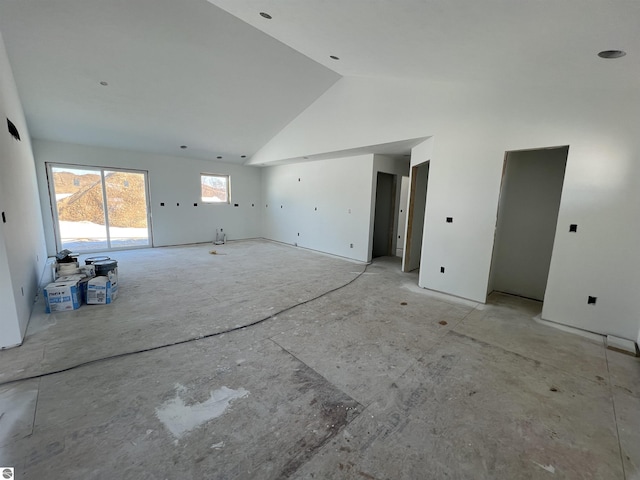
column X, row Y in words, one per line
column 612, row 54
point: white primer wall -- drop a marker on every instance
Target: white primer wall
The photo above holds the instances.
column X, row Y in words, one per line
column 328, row 202
column 402, row 215
column 22, row 248
column 472, row 126
column 527, row 218
column 172, row 180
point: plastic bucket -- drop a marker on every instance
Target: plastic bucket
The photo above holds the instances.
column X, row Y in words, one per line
column 103, row 267
column 91, row 260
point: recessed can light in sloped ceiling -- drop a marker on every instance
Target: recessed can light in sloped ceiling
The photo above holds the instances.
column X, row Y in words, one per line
column 103, row 83
column 265, row 15
column 243, row 156
column 219, row 157
column 333, row 57
column 183, row 147
column 612, row 54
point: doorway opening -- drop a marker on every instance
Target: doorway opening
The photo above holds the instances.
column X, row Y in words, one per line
column 384, row 217
column 97, row 209
column 526, row 223
column 415, row 217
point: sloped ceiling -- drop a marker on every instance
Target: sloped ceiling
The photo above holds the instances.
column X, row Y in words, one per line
column 219, row 77
column 178, row 73
column 541, row 42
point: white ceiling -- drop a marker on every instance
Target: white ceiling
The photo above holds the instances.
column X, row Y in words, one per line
column 188, row 72
column 179, row 72
column 534, row 42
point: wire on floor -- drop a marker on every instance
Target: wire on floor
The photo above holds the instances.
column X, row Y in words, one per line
column 181, row 342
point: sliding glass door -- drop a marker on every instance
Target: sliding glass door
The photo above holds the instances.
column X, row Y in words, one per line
column 97, row 209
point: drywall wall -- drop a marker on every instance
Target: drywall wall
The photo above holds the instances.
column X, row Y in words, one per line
column 402, row 215
column 22, row 250
column 322, row 205
column 527, row 217
column 172, row 181
column 472, row 126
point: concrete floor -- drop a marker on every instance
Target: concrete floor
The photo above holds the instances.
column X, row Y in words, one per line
column 376, row 380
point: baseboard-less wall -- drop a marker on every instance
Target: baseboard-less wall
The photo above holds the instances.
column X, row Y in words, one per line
column 22, row 250
column 173, row 181
column 471, row 126
column 326, row 205
column 322, row 205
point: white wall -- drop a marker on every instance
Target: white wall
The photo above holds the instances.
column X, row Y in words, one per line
column 527, row 218
column 402, row 215
column 22, row 251
column 472, row 127
column 172, row 180
column 327, row 202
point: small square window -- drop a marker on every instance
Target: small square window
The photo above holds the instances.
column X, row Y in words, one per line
column 214, row 188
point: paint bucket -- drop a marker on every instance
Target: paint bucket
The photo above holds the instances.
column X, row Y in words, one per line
column 108, row 268
column 103, row 267
column 92, row 260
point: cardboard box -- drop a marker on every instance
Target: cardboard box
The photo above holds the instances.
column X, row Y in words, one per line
column 113, row 278
column 88, row 270
column 71, row 278
column 99, row 291
column 62, row 296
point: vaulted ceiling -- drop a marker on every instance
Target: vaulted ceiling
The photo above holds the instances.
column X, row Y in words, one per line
column 222, row 79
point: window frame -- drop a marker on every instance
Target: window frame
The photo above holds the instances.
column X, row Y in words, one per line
column 227, row 178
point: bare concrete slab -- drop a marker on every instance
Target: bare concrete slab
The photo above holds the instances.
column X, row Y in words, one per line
column 348, row 374
column 469, row 409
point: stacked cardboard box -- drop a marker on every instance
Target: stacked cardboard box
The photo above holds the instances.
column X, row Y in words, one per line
column 75, row 285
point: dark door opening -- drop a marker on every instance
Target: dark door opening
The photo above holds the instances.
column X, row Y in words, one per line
column 384, row 215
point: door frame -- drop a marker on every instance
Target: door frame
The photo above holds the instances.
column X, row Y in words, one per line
column 99, row 169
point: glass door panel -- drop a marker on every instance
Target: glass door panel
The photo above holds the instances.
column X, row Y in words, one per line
column 79, row 205
column 126, row 208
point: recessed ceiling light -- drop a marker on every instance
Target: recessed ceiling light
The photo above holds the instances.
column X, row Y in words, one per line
column 612, row 54
column 243, row 156
column 103, row 83
column 266, row 15
column 333, row 57
column 218, row 157
column 183, row 146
